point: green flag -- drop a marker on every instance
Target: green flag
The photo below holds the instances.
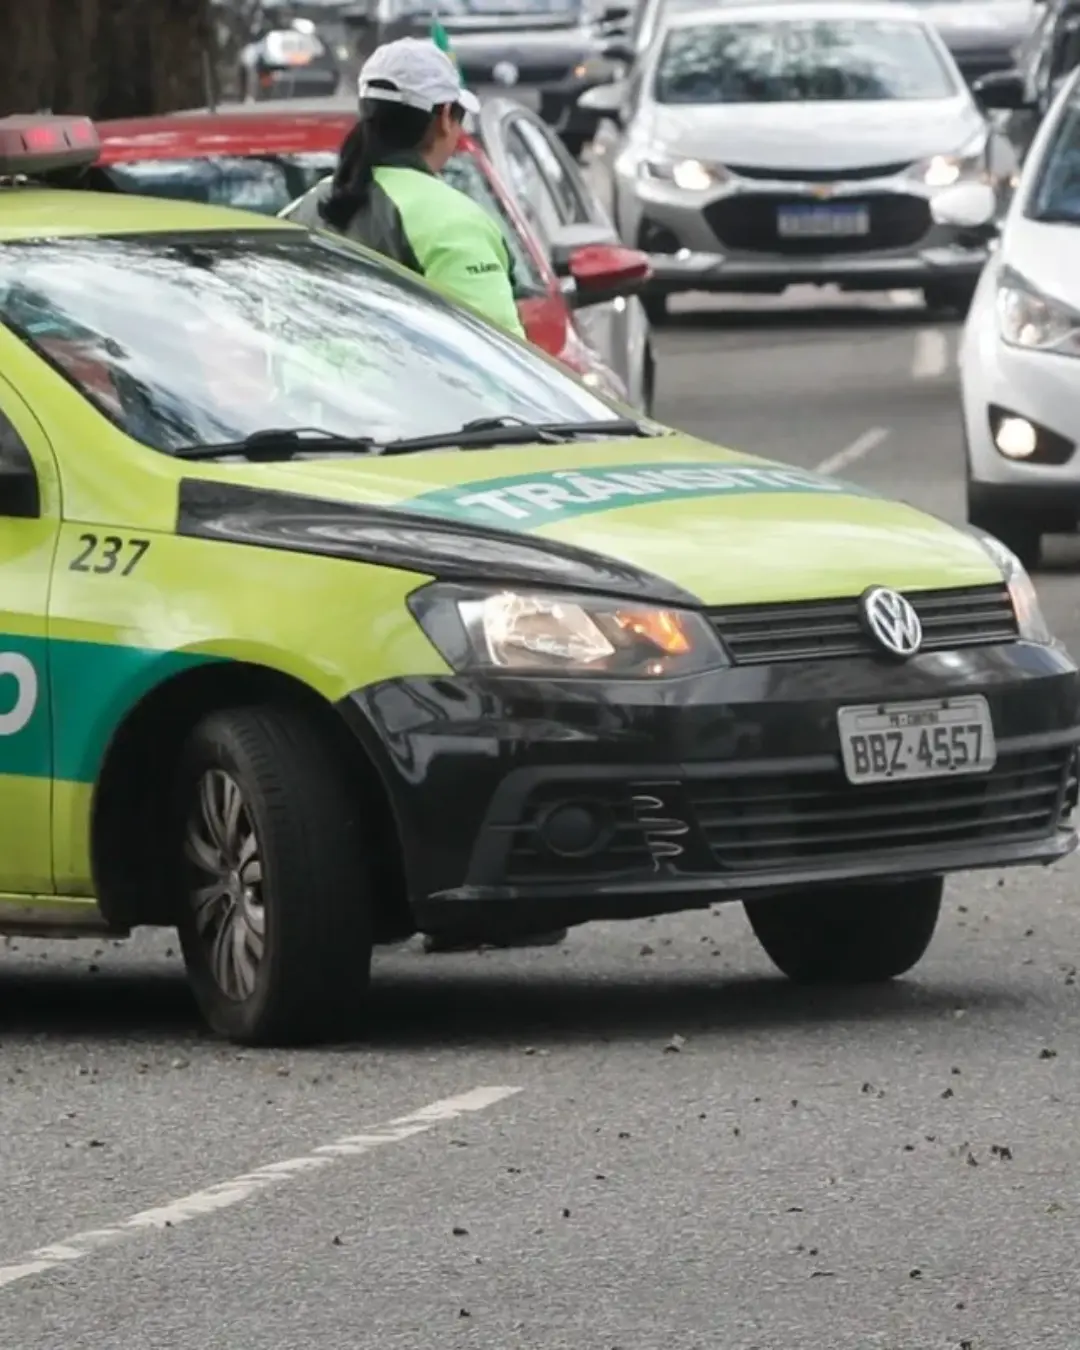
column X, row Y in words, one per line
column 441, row 39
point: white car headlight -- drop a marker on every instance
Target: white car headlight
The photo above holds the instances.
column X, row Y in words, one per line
column 1028, row 318
column 966, row 165
column 692, row 175
column 1030, row 620
column 545, row 633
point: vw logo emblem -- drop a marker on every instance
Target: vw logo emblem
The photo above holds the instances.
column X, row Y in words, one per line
column 505, row 72
column 891, row 621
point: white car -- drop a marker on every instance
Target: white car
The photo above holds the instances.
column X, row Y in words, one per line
column 1020, row 349
column 763, row 145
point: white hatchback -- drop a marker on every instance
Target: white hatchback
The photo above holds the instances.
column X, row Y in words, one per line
column 1020, row 349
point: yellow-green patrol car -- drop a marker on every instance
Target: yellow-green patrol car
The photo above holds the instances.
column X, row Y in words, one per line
column 329, row 613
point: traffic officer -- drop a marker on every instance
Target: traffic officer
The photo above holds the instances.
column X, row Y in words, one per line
column 387, row 192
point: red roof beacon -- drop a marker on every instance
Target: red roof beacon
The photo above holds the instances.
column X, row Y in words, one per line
column 41, row 143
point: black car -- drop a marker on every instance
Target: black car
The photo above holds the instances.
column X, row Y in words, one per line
column 542, row 53
column 1044, row 60
column 982, row 35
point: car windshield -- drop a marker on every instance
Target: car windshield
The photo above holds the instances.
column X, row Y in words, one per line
column 457, row 9
column 1056, row 194
column 193, row 340
column 263, row 183
column 801, row 60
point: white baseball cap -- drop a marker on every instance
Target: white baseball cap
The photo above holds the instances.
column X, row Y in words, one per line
column 421, row 75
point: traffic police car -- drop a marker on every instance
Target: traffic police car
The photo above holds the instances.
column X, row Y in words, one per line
column 329, row 613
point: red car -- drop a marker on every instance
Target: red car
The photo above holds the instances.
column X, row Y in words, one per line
column 262, row 160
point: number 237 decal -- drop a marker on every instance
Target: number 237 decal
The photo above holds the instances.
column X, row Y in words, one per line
column 108, row 553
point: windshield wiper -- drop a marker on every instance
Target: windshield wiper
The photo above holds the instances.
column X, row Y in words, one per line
column 280, row 443
column 275, row 444
column 487, row 431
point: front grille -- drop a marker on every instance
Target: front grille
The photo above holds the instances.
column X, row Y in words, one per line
column 760, row 824
column 819, row 175
column 748, row 222
column 484, row 73
column 822, row 629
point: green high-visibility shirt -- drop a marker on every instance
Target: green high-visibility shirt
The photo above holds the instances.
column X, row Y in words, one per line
column 416, row 218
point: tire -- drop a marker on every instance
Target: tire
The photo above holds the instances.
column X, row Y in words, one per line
column 863, row 934
column 1020, row 534
column 648, row 382
column 656, row 308
column 952, row 298
column 264, row 782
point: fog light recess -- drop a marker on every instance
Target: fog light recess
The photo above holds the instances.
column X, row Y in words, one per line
column 1022, row 440
column 575, row 829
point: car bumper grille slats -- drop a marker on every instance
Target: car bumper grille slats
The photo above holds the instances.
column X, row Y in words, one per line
column 822, row 629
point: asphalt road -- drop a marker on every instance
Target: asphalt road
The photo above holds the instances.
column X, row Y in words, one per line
column 644, row 1139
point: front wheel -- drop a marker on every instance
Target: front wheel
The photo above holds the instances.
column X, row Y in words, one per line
column 656, row 309
column 949, row 298
column 862, row 934
column 275, row 904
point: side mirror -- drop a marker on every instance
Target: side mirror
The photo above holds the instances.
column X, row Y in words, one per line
column 1002, row 90
column 602, row 272
column 618, row 49
column 971, row 207
column 606, row 100
column 19, row 493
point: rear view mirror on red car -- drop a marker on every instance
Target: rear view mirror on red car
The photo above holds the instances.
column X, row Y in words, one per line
column 603, row 272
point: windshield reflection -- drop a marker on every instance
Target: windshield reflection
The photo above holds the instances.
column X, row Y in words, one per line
column 1056, row 195
column 811, row 60
column 206, row 339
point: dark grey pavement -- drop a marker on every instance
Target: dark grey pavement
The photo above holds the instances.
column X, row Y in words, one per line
column 697, row 1156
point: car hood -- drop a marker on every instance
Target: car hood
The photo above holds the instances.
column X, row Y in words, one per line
column 669, row 517
column 970, row 25
column 1046, row 255
column 842, row 135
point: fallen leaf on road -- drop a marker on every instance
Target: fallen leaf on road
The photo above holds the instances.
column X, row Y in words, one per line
column 674, row 1045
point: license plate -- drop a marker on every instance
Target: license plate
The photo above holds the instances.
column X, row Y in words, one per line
column 890, row 742
column 822, row 222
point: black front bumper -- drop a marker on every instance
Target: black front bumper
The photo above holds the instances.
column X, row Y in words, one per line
column 710, row 787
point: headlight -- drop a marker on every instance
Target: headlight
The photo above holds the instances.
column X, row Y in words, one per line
column 689, row 174
column 1025, row 601
column 540, row 632
column 1027, row 318
column 595, row 68
column 967, row 165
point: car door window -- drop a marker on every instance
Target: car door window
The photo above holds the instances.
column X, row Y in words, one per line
column 538, row 202
column 574, row 207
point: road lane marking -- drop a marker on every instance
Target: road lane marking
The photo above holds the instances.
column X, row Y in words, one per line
column 930, row 358
column 860, row 446
column 225, row 1194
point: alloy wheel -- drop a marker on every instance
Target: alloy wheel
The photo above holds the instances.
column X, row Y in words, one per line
column 226, row 892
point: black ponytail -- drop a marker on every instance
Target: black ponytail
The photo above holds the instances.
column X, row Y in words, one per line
column 383, row 132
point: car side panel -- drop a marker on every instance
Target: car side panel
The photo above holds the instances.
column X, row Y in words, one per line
column 118, row 635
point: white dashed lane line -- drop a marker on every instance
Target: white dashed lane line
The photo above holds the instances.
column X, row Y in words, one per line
column 225, row 1194
column 859, row 447
column 930, row 359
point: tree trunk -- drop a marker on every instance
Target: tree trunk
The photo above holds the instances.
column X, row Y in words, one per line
column 106, row 58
